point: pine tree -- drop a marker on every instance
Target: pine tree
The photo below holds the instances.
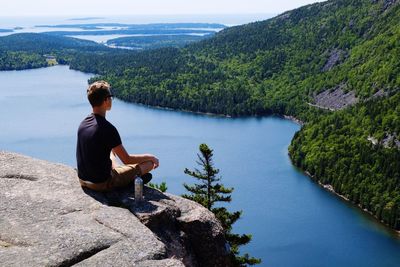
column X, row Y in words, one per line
column 208, row 192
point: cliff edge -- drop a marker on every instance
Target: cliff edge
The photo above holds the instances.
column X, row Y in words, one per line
column 47, row 219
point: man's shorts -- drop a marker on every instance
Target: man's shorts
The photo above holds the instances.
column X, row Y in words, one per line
column 121, row 176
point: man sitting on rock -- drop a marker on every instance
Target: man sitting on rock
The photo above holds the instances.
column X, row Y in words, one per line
column 99, row 142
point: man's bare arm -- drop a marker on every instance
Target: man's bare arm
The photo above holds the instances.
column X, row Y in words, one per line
column 126, row 158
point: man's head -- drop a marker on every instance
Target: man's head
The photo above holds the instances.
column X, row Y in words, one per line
column 98, row 92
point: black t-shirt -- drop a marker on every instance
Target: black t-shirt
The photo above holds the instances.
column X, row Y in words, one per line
column 96, row 138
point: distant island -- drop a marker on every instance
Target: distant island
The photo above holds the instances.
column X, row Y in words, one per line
column 199, row 29
column 130, row 31
column 155, row 41
column 150, row 26
column 87, row 18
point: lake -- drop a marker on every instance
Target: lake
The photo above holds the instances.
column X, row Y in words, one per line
column 294, row 222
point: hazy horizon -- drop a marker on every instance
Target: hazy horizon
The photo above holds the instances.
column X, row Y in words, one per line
column 91, row 8
column 226, row 19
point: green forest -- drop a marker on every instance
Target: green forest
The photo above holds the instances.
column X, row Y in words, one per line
column 276, row 66
column 156, row 41
column 338, row 149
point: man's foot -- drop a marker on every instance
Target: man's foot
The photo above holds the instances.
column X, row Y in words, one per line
column 146, row 177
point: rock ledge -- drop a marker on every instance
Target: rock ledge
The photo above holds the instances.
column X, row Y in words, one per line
column 46, row 219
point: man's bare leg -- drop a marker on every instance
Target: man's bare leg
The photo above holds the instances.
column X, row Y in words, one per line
column 114, row 160
column 146, row 167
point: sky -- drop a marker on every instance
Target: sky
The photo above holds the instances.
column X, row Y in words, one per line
column 145, row 7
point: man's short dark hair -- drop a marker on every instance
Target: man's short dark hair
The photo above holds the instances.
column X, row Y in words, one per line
column 97, row 92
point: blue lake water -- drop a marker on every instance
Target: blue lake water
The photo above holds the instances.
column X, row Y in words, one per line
column 293, row 221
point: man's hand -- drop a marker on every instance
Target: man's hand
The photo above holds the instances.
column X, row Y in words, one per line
column 155, row 161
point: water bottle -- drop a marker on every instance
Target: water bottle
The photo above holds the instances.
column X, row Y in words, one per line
column 138, row 189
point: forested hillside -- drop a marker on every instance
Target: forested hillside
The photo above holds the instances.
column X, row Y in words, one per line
column 21, row 60
column 343, row 51
column 273, row 66
column 155, row 41
column 29, row 50
column 357, row 151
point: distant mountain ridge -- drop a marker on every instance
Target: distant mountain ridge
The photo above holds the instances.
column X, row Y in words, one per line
column 137, row 26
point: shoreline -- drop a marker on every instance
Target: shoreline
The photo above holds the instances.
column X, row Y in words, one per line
column 331, row 190
column 294, row 119
column 286, row 117
column 210, row 113
column 180, row 110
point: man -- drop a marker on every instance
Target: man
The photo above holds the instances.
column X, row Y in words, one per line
column 99, row 142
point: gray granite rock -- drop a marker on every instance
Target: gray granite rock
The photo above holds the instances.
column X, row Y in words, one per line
column 190, row 232
column 336, row 56
column 335, row 98
column 203, row 229
column 47, row 219
column 160, row 263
